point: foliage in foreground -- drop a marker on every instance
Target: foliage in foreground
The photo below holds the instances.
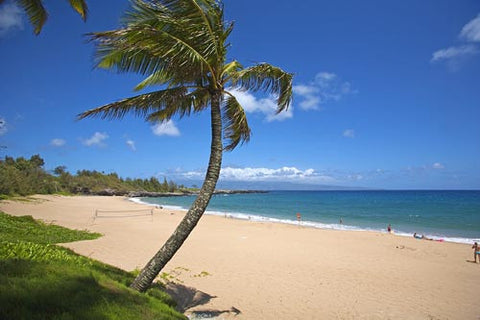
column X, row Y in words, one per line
column 40, row 280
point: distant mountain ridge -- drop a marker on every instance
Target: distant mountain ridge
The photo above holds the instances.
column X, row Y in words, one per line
column 275, row 185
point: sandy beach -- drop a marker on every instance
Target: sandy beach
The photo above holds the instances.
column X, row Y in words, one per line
column 250, row 270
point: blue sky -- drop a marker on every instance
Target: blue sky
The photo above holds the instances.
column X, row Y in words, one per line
column 387, row 95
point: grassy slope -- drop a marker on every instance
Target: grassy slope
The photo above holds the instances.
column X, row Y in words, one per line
column 39, row 280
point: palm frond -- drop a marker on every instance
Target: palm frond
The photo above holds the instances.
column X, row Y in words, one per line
column 194, row 101
column 170, row 37
column 157, row 78
column 81, row 7
column 142, row 105
column 267, row 78
column 236, row 129
column 36, row 13
column 230, row 69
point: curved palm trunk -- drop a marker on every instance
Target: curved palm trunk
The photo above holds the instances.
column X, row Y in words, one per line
column 161, row 258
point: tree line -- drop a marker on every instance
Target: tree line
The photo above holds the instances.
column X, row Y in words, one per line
column 24, row 177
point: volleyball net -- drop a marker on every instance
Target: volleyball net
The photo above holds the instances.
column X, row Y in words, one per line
column 101, row 213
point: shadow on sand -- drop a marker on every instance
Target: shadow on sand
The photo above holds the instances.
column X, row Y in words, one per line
column 187, row 297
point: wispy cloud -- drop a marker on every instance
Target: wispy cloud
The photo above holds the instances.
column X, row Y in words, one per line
column 438, row 165
column 97, row 140
column 10, row 18
column 454, row 52
column 131, row 144
column 454, row 55
column 349, row 133
column 266, row 106
column 166, row 129
column 58, row 142
column 471, row 31
column 326, row 87
column 3, row 126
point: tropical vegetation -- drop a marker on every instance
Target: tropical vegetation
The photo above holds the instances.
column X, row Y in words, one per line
column 180, row 47
column 22, row 177
column 40, row 280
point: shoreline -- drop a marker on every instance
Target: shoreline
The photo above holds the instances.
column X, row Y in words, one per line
column 279, row 271
column 307, row 223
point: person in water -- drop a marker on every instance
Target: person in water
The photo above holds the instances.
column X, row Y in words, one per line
column 476, row 251
column 389, row 228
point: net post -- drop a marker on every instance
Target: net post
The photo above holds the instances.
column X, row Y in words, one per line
column 94, row 216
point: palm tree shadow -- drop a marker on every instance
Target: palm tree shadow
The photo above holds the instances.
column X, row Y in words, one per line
column 186, row 297
column 213, row 314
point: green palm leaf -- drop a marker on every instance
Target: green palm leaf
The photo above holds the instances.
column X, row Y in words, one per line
column 81, row 7
column 142, row 105
column 158, row 37
column 195, row 101
column 36, row 13
column 236, row 129
column 267, row 78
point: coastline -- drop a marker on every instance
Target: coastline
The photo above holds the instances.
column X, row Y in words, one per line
column 280, row 271
column 304, row 222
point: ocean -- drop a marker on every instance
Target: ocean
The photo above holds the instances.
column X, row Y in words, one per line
column 443, row 215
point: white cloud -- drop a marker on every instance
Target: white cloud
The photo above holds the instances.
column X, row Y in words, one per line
column 471, row 31
column 267, row 106
column 325, row 76
column 3, row 126
column 97, row 139
column 10, row 18
column 349, row 133
column 326, row 87
column 57, row 142
column 131, row 144
column 166, row 129
column 438, row 165
column 310, row 96
column 249, row 174
column 454, row 52
column 283, row 174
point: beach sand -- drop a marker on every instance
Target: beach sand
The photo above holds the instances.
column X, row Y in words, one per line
column 251, row 270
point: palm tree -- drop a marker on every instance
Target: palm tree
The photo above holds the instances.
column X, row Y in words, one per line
column 181, row 46
column 38, row 15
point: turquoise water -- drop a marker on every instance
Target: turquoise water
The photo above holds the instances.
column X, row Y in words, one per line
column 449, row 215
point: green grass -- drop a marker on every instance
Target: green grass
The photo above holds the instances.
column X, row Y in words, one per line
column 39, row 280
column 25, row 228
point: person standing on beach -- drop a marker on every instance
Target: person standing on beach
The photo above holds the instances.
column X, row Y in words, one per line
column 299, row 217
column 476, row 251
column 389, row 228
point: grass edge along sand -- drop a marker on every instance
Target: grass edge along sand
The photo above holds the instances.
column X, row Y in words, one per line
column 40, row 280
